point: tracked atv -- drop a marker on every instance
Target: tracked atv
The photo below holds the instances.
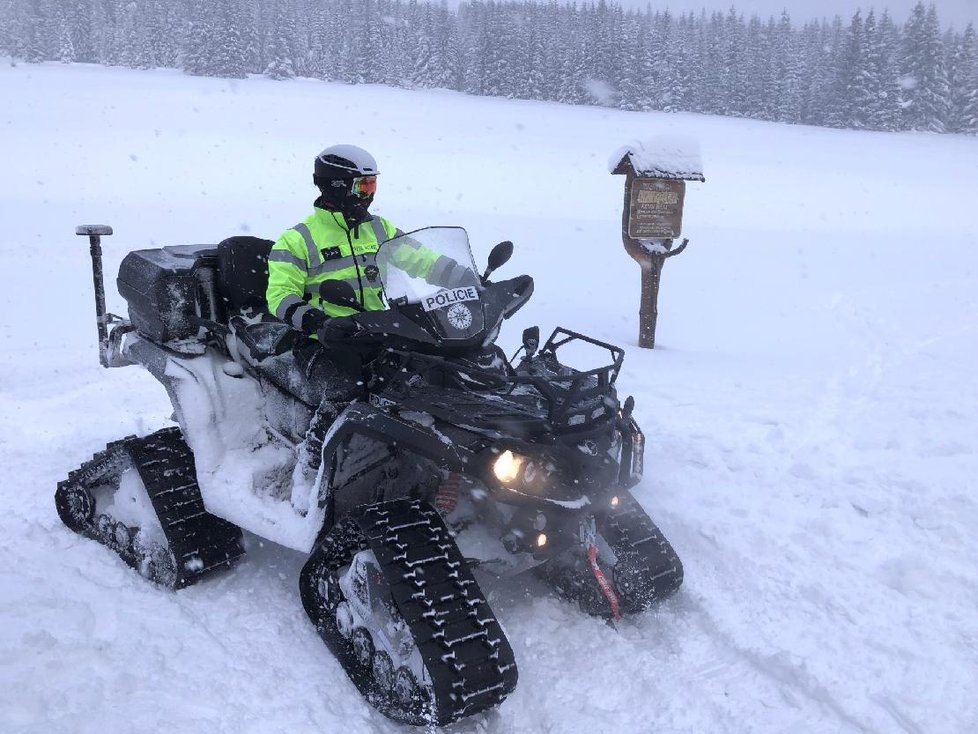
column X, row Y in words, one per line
column 452, row 459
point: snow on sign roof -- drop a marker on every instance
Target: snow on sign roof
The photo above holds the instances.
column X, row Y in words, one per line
column 664, row 156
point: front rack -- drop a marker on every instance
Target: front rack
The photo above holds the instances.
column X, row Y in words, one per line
column 572, row 395
column 572, row 398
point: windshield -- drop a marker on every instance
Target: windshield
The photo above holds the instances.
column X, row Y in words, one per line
column 421, row 264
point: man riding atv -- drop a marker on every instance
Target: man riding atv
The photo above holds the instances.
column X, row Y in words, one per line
column 339, row 242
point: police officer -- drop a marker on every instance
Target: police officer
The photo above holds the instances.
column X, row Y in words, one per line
column 337, row 241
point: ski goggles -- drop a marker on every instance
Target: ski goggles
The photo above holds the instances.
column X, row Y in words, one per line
column 364, row 186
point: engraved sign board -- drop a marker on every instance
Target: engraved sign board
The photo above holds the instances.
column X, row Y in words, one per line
column 655, row 208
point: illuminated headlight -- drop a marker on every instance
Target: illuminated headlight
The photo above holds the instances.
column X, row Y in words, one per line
column 507, row 466
column 521, row 472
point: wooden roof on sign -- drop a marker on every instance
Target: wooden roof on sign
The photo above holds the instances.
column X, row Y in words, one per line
column 670, row 157
column 626, row 166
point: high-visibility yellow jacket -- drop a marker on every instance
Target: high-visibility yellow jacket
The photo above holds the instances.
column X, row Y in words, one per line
column 324, row 247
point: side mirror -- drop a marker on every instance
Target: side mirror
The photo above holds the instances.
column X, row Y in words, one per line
column 531, row 340
column 340, row 293
column 499, row 256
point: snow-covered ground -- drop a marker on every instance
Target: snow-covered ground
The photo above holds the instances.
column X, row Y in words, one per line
column 811, row 409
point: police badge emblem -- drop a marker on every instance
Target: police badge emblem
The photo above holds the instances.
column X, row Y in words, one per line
column 459, row 316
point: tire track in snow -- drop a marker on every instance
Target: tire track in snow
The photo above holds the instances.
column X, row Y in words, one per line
column 904, row 721
column 776, row 668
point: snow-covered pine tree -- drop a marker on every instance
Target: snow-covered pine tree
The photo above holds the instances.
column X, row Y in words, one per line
column 573, row 63
column 868, row 95
column 633, row 68
column 293, row 30
column 759, row 87
column 421, row 46
column 229, row 58
column 660, row 65
column 198, row 39
column 968, row 114
column 888, row 110
column 531, row 59
column 926, row 91
column 250, row 40
column 850, row 79
column 132, row 48
column 67, row 46
column 708, row 97
column 963, row 82
column 279, row 58
column 277, row 49
column 823, row 60
column 470, row 27
column 164, row 32
column 686, row 71
column 498, row 64
column 786, row 61
column 599, row 28
column 733, row 71
column 26, row 34
column 448, row 74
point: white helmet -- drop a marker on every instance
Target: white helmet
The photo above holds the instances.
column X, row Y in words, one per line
column 343, row 161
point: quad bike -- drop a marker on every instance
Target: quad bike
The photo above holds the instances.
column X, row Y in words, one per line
column 452, row 459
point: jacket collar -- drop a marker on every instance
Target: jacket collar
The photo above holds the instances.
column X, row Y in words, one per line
column 334, row 216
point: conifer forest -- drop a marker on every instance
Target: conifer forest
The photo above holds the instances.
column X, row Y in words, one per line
column 864, row 72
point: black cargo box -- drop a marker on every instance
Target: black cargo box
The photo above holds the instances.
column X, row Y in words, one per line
column 167, row 288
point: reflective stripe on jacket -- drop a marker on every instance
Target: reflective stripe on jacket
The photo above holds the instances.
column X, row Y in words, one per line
column 324, row 248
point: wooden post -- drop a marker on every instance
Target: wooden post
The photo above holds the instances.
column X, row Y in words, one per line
column 649, row 313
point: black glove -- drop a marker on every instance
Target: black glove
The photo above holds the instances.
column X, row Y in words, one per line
column 337, row 329
column 312, row 321
column 458, row 277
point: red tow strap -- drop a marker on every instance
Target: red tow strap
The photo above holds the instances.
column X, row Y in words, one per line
column 606, row 588
column 447, row 497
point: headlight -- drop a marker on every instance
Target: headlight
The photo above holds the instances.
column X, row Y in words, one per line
column 507, row 466
column 521, row 473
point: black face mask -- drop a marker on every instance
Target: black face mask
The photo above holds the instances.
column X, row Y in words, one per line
column 338, row 197
column 355, row 209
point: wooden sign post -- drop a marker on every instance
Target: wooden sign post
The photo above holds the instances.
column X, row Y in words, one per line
column 655, row 190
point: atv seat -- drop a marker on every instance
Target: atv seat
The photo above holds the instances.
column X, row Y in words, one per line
column 259, row 338
column 242, row 278
column 242, row 273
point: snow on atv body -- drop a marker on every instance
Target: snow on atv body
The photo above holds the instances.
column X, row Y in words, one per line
column 451, row 459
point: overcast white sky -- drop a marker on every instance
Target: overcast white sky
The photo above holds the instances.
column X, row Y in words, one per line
column 951, row 12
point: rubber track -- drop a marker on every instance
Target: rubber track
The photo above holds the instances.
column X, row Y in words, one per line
column 467, row 656
column 198, row 542
column 648, row 569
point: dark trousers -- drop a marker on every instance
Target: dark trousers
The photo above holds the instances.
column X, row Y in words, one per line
column 333, row 374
